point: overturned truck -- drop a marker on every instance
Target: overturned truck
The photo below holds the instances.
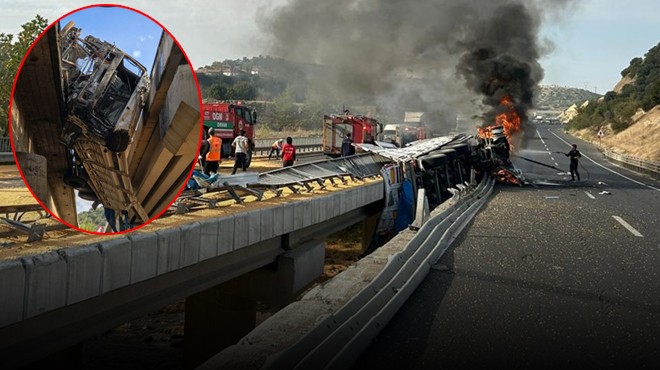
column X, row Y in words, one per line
column 105, row 90
column 439, row 164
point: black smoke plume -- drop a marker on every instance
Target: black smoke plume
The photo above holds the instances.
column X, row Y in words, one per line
column 502, row 60
column 450, row 54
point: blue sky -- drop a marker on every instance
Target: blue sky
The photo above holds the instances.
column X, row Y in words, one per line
column 597, row 39
column 594, row 39
column 130, row 31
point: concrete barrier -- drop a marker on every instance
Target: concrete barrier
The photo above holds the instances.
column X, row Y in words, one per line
column 311, row 332
column 99, row 284
column 12, row 291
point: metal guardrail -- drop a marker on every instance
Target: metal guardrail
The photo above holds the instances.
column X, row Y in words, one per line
column 336, row 341
column 636, row 164
column 5, row 145
column 298, row 177
column 356, row 166
column 6, row 155
column 302, row 144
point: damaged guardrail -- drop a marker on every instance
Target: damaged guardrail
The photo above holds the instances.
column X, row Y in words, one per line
column 333, row 338
column 337, row 340
column 636, row 164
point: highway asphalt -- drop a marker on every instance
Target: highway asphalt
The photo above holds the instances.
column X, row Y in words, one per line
column 555, row 274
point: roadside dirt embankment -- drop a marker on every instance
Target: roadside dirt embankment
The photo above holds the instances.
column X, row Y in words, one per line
column 639, row 140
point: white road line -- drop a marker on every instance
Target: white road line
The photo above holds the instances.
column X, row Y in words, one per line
column 556, row 164
column 627, row 226
column 551, row 157
column 590, row 195
column 543, row 141
column 611, row 170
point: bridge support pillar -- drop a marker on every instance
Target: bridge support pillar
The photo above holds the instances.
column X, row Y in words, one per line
column 34, row 167
column 369, row 226
column 220, row 316
column 215, row 319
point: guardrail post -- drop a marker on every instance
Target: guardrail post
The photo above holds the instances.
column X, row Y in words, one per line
column 422, row 211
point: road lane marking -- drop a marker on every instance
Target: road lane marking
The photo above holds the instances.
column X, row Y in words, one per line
column 556, row 164
column 551, row 157
column 590, row 195
column 627, row 226
column 609, row 169
column 543, row 141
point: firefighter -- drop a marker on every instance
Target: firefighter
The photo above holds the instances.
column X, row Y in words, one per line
column 203, row 149
column 347, row 146
column 574, row 154
column 288, row 153
column 214, row 154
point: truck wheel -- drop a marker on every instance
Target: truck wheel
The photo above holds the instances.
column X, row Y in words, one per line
column 88, row 195
column 118, row 141
column 77, row 181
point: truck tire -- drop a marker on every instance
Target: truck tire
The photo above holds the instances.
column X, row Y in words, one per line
column 88, row 195
column 77, row 181
column 461, row 149
column 432, row 161
column 450, row 153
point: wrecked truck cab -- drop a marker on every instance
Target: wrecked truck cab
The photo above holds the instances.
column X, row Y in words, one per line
column 105, row 91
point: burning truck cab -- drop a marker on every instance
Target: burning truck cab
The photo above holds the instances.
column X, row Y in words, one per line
column 492, row 154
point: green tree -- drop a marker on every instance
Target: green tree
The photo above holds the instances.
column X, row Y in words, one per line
column 217, row 91
column 11, row 55
column 284, row 111
column 244, row 90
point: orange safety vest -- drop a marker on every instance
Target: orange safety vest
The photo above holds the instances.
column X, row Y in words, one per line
column 214, row 149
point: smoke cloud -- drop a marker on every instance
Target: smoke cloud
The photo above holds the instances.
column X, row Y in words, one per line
column 434, row 54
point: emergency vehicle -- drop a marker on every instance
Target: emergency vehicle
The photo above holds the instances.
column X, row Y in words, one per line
column 228, row 119
column 363, row 129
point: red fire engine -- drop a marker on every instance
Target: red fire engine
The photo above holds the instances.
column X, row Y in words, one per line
column 363, row 129
column 228, row 119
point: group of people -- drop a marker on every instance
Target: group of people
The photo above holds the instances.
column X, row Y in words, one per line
column 210, row 153
column 288, row 151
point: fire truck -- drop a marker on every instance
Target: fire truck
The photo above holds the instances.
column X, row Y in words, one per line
column 228, row 119
column 363, row 129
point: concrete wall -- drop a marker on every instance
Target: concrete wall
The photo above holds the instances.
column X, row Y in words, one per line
column 36, row 287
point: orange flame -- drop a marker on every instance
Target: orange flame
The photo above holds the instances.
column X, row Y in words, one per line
column 509, row 120
column 507, row 177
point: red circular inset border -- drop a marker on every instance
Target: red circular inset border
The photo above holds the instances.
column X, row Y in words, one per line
column 201, row 119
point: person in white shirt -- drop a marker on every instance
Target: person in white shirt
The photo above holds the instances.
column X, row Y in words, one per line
column 240, row 145
column 276, row 148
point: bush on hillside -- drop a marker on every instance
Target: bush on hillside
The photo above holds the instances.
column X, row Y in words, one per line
column 618, row 109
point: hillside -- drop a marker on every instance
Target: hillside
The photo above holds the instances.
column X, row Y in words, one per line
column 264, row 78
column 630, row 114
column 553, row 97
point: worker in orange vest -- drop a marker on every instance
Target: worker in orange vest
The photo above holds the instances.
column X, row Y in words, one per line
column 214, row 155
